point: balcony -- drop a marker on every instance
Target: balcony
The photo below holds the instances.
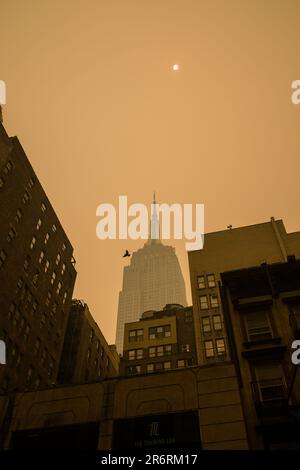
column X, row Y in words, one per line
column 295, row 324
column 270, row 396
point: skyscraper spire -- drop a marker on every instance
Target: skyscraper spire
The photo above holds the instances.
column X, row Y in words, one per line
column 154, row 222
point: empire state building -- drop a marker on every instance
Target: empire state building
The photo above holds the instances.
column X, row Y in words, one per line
column 152, row 280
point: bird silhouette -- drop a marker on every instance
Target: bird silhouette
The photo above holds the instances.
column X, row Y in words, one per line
column 126, row 254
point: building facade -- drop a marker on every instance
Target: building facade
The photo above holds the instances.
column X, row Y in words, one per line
column 261, row 308
column 228, row 250
column 152, row 280
column 37, row 274
column 159, row 341
column 181, row 408
column 86, row 356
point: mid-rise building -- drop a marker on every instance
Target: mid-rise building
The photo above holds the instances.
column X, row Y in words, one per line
column 261, row 306
column 230, row 249
column 86, row 356
column 159, row 341
column 37, row 274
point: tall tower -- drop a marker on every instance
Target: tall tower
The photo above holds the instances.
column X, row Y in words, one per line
column 152, row 280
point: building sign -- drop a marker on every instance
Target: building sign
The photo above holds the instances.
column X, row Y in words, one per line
column 168, row 430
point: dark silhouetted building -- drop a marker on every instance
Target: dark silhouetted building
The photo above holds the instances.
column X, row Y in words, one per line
column 86, row 356
column 37, row 274
column 159, row 341
column 261, row 306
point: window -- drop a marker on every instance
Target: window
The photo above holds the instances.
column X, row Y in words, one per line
column 152, row 352
column 188, row 316
column 181, row 363
column 49, row 295
column 217, row 322
column 11, row 234
column 203, row 302
column 8, row 167
column 18, row 216
column 258, row 326
column 65, row 297
column 211, row 280
column 98, row 345
column 57, row 259
column 63, row 268
column 63, row 247
column 1, row 182
column 46, row 238
column 38, row 225
column 271, row 383
column 31, row 183
column 43, row 207
column 41, row 257
column 221, row 350
column 59, row 285
column 135, row 354
column 91, row 335
column 209, row 349
column 26, row 197
column 206, row 327
column 33, row 242
column 132, row 370
column 2, row 257
column 160, row 332
column 150, row 368
column 185, row 348
column 136, row 335
column 53, row 277
column 35, row 278
column 201, row 282
column 47, row 264
column 214, row 301
column 167, row 365
column 160, row 350
column 53, row 228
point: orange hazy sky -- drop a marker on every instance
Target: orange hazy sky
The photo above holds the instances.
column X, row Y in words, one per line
column 92, row 96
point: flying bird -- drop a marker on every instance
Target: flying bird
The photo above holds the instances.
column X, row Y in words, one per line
column 126, row 254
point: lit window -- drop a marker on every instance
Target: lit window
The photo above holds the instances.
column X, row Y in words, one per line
column 136, row 335
column 221, row 350
column 43, row 207
column 57, row 259
column 188, row 316
column 8, row 167
column 150, row 368
column 53, row 277
column 47, row 264
column 49, row 295
column 98, row 345
column 59, row 285
column 160, row 350
column 201, row 282
column 168, row 349
column 211, row 280
column 206, row 325
column 41, row 257
column 63, row 247
column 270, row 381
column 63, row 269
column 209, row 349
column 217, row 322
column 31, row 183
column 38, row 225
column 65, row 297
column 46, row 238
column 54, row 228
column 203, row 302
column 167, row 365
column 181, row 363
column 33, row 242
column 214, row 301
